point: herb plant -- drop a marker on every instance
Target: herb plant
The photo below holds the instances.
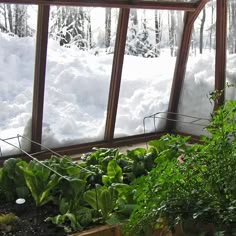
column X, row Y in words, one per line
column 199, row 191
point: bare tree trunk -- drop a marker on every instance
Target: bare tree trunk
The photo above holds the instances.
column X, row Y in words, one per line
column 201, row 30
column 89, row 31
column 10, row 18
column 134, row 16
column 211, row 29
column 232, row 28
column 16, row 20
column 108, row 28
column 179, row 27
column 82, row 18
column 5, row 15
column 3, row 11
column 172, row 39
column 193, row 42
column 157, row 31
column 26, row 22
column 233, row 11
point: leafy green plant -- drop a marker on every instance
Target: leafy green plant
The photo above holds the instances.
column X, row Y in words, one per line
column 73, row 221
column 100, row 199
column 12, row 182
column 200, row 190
column 68, row 193
column 40, row 181
column 112, row 203
column 113, row 174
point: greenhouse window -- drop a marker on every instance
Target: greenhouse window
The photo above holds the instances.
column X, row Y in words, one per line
column 85, row 64
column 17, row 56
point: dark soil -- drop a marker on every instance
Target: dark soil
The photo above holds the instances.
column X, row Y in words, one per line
column 30, row 222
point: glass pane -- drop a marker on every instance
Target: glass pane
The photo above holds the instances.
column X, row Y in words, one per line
column 79, row 63
column 17, row 54
column 200, row 74
column 231, row 51
column 151, row 48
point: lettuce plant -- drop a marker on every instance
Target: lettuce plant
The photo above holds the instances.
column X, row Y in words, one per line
column 39, row 180
column 12, row 182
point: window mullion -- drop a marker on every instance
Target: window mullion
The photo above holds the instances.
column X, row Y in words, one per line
column 116, row 73
column 221, row 32
column 39, row 76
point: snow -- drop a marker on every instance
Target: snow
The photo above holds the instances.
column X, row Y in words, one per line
column 77, row 85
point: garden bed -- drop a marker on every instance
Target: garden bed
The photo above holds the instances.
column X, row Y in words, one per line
column 30, row 220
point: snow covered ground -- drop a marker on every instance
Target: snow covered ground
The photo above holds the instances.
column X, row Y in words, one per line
column 77, row 85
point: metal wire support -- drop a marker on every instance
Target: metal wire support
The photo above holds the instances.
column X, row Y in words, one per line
column 19, row 147
column 193, row 120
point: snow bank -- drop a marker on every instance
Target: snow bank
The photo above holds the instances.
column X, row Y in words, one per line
column 77, row 85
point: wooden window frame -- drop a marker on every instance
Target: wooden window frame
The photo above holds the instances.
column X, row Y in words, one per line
column 192, row 10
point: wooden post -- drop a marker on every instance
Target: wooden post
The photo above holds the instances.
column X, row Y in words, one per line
column 118, row 60
column 220, row 63
column 39, row 75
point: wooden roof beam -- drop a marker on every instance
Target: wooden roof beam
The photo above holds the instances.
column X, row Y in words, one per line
column 180, row 65
column 163, row 5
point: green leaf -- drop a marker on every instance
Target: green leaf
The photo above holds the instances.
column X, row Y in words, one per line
column 61, row 220
column 90, row 197
column 105, row 202
column 100, row 199
column 114, row 171
column 135, row 153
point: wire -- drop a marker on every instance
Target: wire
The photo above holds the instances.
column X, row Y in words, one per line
column 35, row 159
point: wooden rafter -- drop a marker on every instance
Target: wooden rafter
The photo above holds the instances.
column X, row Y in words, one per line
column 181, row 63
column 164, row 5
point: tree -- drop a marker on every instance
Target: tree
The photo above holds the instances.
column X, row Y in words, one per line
column 89, row 31
column 3, row 11
column 71, row 26
column 132, row 32
column 20, row 26
column 157, row 32
column 212, row 25
column 108, row 28
column 10, row 17
column 201, row 30
column 232, row 27
column 15, row 19
column 172, row 33
column 138, row 40
column 133, row 23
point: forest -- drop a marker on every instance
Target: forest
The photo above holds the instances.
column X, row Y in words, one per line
column 148, row 31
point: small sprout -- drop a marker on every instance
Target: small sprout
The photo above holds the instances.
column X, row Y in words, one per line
column 7, row 222
column 7, row 218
